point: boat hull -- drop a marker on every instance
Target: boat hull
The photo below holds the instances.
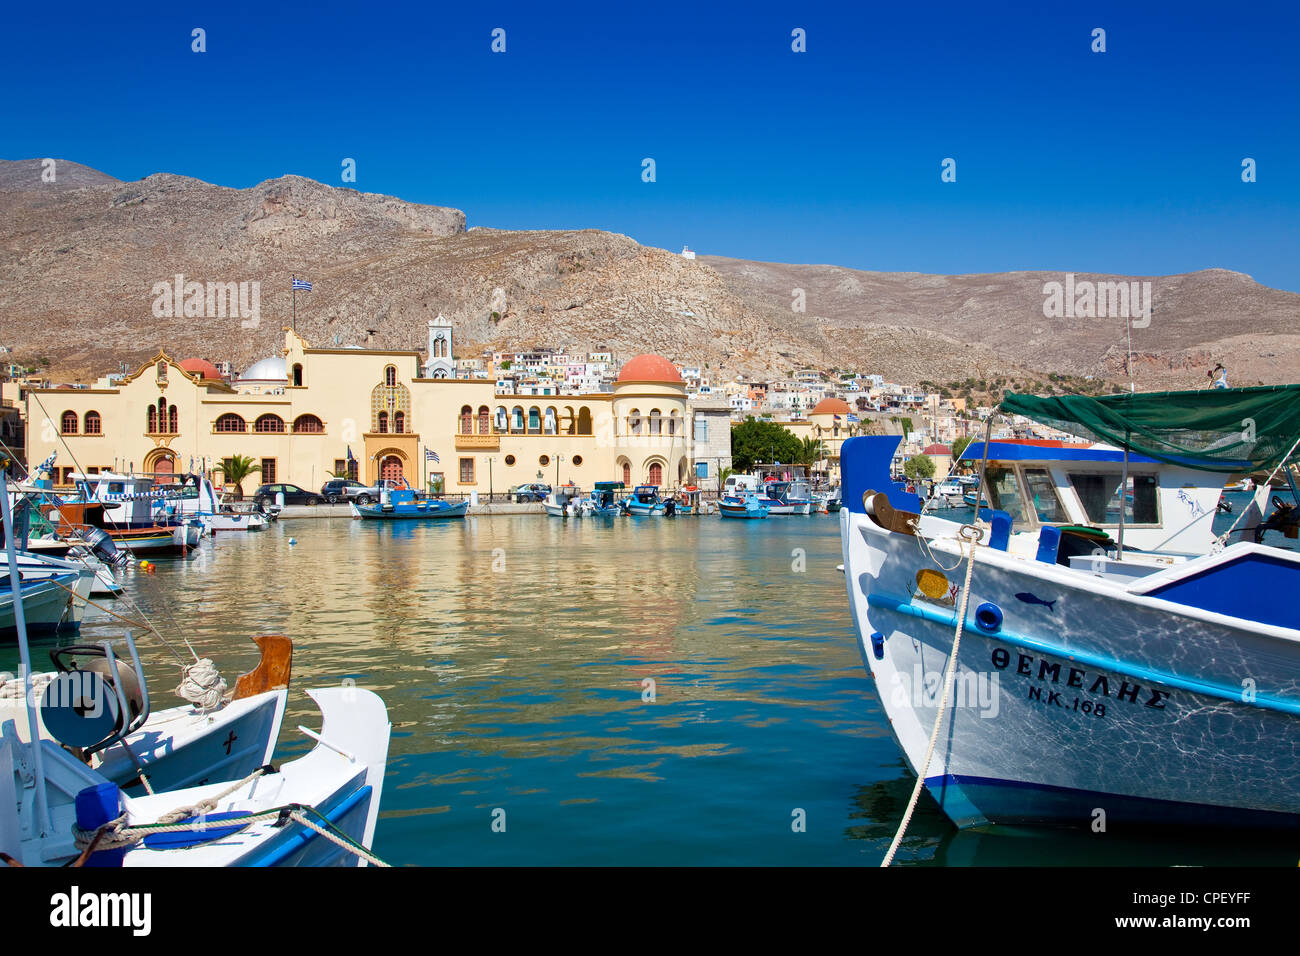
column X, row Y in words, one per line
column 1106, row 704
column 412, row 513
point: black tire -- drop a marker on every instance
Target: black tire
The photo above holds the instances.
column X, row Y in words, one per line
column 312, row 501
column 333, row 499
column 363, row 500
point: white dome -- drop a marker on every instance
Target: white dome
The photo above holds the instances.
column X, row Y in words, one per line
column 271, row 369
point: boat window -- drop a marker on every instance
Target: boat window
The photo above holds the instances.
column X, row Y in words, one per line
column 1099, row 495
column 1004, row 493
column 116, row 487
column 1043, row 498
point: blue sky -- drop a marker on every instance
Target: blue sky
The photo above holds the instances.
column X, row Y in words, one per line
column 1126, row 161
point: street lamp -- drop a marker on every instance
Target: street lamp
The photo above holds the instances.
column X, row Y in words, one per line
column 558, row 459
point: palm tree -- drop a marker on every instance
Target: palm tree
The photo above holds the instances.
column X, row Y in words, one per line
column 235, row 469
column 810, row 452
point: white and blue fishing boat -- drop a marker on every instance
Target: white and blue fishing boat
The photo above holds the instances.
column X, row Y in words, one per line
column 57, row 809
column 565, row 501
column 603, row 501
column 787, row 497
column 404, row 504
column 1130, row 663
column 645, row 502
column 742, row 506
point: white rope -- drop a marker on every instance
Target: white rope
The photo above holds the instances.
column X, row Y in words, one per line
column 968, row 546
column 201, row 685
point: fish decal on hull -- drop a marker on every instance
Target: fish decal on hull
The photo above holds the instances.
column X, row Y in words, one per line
column 1032, row 599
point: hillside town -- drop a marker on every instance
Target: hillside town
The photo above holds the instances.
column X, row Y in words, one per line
column 560, row 393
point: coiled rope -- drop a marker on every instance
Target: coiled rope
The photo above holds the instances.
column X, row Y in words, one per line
column 202, row 684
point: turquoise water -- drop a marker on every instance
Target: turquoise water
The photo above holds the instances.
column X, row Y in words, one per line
column 513, row 654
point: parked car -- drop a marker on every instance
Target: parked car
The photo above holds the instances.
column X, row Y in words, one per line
column 293, row 495
column 533, row 491
column 345, row 489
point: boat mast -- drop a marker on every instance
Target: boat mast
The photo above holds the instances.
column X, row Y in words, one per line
column 1123, row 493
column 43, row 824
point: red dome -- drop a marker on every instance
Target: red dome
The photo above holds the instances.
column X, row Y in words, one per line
column 200, row 367
column 832, row 406
column 650, row 368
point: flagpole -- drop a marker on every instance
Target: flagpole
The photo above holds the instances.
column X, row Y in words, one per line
column 293, row 281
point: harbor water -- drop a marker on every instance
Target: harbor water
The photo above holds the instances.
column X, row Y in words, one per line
column 607, row 692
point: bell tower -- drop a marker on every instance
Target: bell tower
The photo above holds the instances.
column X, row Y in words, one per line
column 441, row 362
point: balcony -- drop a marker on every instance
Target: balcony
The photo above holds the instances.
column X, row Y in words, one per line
column 478, row 442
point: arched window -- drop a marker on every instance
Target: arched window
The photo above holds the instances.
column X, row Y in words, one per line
column 549, row 427
column 570, row 425
column 399, row 422
column 656, row 423
column 297, row 374
column 383, row 422
column 268, row 423
column 390, row 376
column 94, row 424
column 517, row 419
column 153, row 419
column 672, row 422
column 308, row 425
column 160, row 371
column 534, row 420
column 584, row 421
column 503, row 419
column 230, row 422
column 656, row 474
column 172, row 420
column 627, row 474
column 634, row 422
column 466, row 420
column 69, row 423
column 483, row 420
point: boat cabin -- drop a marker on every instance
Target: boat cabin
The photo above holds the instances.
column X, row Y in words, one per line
column 1167, row 508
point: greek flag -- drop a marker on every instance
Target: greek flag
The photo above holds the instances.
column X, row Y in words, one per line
column 302, row 284
column 350, row 458
column 854, row 418
column 431, row 455
column 47, row 465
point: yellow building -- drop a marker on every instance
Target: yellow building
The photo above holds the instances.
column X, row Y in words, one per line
column 828, row 423
column 308, row 413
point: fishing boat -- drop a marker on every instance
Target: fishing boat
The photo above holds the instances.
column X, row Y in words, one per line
column 645, row 502
column 787, row 497
column 565, row 501
column 122, row 506
column 603, row 502
column 204, row 740
column 738, row 506
column 404, row 504
column 55, row 809
column 48, row 602
column 213, row 510
column 691, row 502
column 951, row 493
column 1150, row 673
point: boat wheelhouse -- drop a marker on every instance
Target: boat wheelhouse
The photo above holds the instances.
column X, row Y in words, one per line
column 645, row 502
column 405, row 504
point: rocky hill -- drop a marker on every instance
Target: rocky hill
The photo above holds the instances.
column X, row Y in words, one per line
column 81, row 258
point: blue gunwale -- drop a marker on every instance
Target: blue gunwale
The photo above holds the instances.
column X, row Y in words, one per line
column 1096, row 661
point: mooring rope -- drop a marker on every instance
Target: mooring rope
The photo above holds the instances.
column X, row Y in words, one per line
column 116, row 835
column 968, row 546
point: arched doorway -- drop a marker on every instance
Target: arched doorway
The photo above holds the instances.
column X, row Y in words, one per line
column 627, row 474
column 163, row 465
column 656, row 474
column 390, row 468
